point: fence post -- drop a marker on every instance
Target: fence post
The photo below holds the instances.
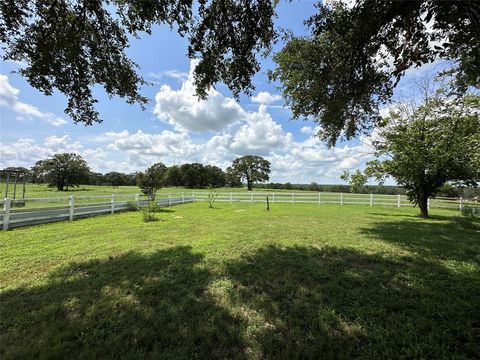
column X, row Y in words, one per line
column 6, row 214
column 428, row 203
column 183, row 198
column 371, row 199
column 72, row 207
column 113, row 204
column 137, row 200
column 319, row 198
column 398, row 201
column 251, row 198
column 341, row 198
column 460, row 206
column 193, row 195
column 293, row 198
column 231, row 197
column 274, row 198
column 169, row 199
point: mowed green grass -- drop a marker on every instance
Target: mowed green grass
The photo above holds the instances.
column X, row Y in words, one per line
column 300, row 281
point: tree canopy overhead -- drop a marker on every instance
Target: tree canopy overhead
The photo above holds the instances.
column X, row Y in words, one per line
column 354, row 57
column 338, row 75
column 71, row 45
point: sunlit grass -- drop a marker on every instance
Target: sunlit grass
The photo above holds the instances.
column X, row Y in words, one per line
column 300, row 281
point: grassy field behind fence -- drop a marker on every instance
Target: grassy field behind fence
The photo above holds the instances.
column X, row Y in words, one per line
column 237, row 281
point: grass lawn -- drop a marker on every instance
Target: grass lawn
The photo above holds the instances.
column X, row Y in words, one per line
column 300, row 281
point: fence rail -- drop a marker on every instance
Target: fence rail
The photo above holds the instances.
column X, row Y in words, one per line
column 70, row 208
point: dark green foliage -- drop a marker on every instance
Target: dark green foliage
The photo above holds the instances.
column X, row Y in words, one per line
column 354, row 57
column 251, row 168
column 62, row 170
column 151, row 180
column 71, row 46
column 424, row 147
column 216, row 178
column 173, row 176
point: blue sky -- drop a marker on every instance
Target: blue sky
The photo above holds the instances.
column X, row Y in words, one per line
column 176, row 128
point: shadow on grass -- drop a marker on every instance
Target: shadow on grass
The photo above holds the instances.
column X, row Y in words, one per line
column 341, row 303
column 445, row 240
column 126, row 307
column 297, row 302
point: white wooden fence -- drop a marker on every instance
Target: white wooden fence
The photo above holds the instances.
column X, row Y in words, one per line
column 12, row 218
column 85, row 206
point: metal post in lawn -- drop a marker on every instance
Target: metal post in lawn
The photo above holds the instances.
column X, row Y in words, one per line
column 341, row 198
column 72, row 207
column 398, row 201
column 112, row 208
column 6, row 214
column 371, row 199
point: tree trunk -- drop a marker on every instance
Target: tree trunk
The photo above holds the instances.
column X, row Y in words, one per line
column 60, row 185
column 423, row 203
column 249, row 184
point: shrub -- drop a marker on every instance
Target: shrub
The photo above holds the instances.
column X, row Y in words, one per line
column 149, row 212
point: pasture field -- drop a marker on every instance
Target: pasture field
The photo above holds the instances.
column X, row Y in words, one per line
column 43, row 191
column 239, row 282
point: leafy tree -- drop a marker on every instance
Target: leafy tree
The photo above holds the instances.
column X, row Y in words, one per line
column 425, row 146
column 151, row 180
column 251, row 168
column 62, row 170
column 115, row 179
column 232, row 178
column 173, row 176
column 72, row 45
column 357, row 180
column 194, row 175
column 354, row 57
column 215, row 176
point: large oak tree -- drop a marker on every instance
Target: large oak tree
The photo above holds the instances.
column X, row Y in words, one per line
column 251, row 168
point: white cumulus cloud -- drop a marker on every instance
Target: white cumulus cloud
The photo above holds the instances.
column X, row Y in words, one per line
column 9, row 98
column 265, row 98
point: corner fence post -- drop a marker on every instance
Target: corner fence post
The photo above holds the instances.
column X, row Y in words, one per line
column 371, row 199
column 72, row 207
column 398, row 201
column 6, row 214
column 112, row 208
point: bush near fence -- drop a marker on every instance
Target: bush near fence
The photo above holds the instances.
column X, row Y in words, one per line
column 44, row 210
